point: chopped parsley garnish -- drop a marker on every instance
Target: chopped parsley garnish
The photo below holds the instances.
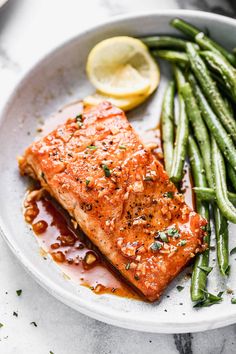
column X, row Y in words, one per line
column 34, row 324
column 106, row 170
column 163, row 236
column 182, row 243
column 209, row 299
column 204, row 228
column 179, row 288
column 19, row 292
column 79, row 120
column 1, row 325
column 92, row 147
column 155, row 246
column 169, row 195
column 220, row 293
column 51, row 352
column 173, row 232
column 136, row 277
column 127, row 267
column 233, row 251
column 205, row 269
column 122, row 147
column 148, row 178
column 226, row 270
column 87, row 181
column 233, row 300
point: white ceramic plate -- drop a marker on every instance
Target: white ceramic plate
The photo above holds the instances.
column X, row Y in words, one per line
column 60, row 78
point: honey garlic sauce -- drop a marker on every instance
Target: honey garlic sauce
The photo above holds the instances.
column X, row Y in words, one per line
column 70, row 110
column 151, row 138
column 71, row 250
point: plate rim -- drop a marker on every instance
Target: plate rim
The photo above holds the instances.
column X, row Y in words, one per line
column 73, row 301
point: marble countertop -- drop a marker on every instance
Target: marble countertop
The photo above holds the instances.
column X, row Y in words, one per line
column 35, row 322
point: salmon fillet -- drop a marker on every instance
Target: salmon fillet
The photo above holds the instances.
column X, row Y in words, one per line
column 97, row 168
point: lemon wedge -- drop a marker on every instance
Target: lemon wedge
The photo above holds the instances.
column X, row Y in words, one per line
column 122, row 67
column 126, row 104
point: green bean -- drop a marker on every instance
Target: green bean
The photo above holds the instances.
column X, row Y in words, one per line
column 199, row 277
column 171, row 55
column 232, row 176
column 224, row 204
column 208, row 44
column 199, row 128
column 202, row 39
column 222, row 87
column 229, row 105
column 211, row 91
column 222, row 235
column 185, row 27
column 215, row 127
column 167, row 125
column 196, row 163
column 181, row 141
column 179, row 77
column 209, row 195
column 179, row 80
column 164, row 42
column 227, row 72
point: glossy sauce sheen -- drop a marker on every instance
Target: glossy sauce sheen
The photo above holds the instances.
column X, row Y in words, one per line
column 70, row 248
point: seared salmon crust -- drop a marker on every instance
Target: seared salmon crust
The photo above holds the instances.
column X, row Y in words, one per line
column 97, row 168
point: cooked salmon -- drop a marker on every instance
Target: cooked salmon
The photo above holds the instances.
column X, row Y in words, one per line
column 98, row 169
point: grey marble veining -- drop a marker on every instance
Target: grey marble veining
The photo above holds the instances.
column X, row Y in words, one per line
column 183, row 343
column 223, row 7
column 28, row 29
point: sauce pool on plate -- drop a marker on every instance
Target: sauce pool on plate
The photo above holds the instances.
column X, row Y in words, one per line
column 70, row 248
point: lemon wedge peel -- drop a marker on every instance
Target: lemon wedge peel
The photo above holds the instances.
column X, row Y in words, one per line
column 122, row 67
column 125, row 104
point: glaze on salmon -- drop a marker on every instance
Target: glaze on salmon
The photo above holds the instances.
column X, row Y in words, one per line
column 97, row 168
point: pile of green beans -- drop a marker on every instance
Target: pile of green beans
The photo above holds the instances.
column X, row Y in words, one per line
column 204, row 73
column 202, row 39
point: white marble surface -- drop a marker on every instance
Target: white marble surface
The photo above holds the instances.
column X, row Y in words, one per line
column 28, row 29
